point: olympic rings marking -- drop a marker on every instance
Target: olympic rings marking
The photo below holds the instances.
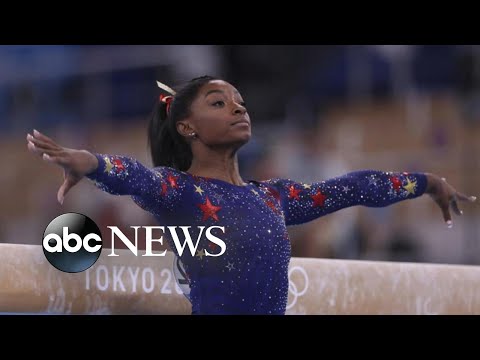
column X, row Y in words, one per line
column 292, row 288
column 182, row 283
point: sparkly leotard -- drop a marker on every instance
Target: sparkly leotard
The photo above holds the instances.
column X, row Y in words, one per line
column 251, row 276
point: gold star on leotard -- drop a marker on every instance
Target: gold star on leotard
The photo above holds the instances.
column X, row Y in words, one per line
column 108, row 165
column 410, row 187
column 198, row 189
column 200, row 253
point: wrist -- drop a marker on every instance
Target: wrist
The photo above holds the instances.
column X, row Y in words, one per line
column 92, row 162
column 432, row 181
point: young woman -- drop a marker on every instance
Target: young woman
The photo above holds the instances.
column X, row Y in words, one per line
column 194, row 135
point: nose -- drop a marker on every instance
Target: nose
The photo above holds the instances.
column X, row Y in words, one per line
column 239, row 109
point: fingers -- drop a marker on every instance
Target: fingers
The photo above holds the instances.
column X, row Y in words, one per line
column 464, row 197
column 34, row 149
column 455, row 208
column 52, row 156
column 47, row 149
column 444, row 206
column 42, row 144
column 39, row 143
column 459, row 195
column 43, row 138
column 50, row 151
column 40, row 150
column 61, row 192
column 447, row 196
column 31, row 147
column 56, row 159
column 64, row 189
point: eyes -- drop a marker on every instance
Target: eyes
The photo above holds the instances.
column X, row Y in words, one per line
column 221, row 103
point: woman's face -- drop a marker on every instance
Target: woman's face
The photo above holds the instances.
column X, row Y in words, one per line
column 218, row 115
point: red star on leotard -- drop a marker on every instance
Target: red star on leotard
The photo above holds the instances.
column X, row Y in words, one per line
column 118, row 165
column 318, row 199
column 273, row 192
column 172, row 180
column 164, row 189
column 209, row 210
column 212, row 246
column 293, row 192
column 396, row 183
column 272, row 206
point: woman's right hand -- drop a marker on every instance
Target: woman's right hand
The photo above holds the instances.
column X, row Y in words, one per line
column 75, row 163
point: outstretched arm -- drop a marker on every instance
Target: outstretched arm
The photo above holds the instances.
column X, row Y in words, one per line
column 305, row 202
column 122, row 175
column 114, row 174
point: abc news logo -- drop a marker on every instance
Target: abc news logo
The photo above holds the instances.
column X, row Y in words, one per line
column 72, row 242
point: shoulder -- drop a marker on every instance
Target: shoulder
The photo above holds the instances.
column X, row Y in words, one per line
column 275, row 182
column 275, row 186
column 166, row 169
column 171, row 174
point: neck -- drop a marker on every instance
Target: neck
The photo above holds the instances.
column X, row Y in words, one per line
column 221, row 164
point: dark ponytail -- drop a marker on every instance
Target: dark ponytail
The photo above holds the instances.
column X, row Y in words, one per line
column 167, row 146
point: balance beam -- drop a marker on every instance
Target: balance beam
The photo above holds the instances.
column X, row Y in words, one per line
column 143, row 285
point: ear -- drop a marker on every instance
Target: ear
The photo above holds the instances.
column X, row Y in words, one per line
column 184, row 128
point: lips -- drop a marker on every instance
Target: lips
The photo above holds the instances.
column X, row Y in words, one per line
column 241, row 121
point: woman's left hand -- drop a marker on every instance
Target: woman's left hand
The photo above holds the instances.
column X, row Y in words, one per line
column 446, row 196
